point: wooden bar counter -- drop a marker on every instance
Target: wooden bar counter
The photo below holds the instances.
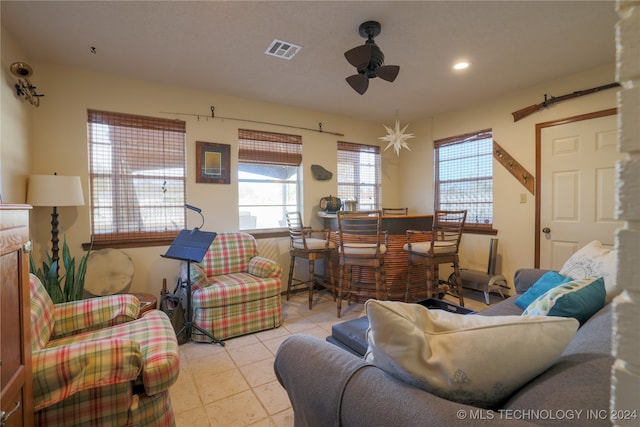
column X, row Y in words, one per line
column 395, row 260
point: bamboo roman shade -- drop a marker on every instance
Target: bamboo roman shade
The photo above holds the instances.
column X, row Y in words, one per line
column 269, row 148
column 137, row 177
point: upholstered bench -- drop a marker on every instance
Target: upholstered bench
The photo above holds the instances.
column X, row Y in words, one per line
column 351, row 335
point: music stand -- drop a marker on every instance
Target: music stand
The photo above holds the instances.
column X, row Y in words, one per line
column 191, row 246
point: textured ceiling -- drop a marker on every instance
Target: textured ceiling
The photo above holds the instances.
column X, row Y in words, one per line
column 219, row 46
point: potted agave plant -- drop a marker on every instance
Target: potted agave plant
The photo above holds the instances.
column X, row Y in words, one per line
column 69, row 287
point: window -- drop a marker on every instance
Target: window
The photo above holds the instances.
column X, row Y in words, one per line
column 359, row 174
column 136, row 177
column 268, row 177
column 464, row 177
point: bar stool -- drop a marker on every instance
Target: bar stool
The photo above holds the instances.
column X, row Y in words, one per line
column 362, row 244
column 443, row 246
column 303, row 245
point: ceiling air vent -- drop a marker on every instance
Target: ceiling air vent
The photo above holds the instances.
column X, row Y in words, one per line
column 282, row 49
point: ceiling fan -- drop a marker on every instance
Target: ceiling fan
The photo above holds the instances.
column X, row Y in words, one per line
column 368, row 60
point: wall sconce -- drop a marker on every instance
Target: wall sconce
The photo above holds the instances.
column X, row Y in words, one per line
column 24, row 87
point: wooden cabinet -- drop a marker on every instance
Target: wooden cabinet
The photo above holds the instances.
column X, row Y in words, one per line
column 16, row 393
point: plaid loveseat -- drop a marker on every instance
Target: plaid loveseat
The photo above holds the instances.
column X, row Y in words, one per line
column 94, row 363
column 234, row 291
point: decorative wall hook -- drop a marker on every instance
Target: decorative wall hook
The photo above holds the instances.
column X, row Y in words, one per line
column 515, row 168
column 24, row 87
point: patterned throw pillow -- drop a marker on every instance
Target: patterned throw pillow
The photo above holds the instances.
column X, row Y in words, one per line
column 472, row 359
column 594, row 260
column 579, row 299
column 549, row 280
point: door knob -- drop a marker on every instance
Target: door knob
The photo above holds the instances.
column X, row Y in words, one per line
column 546, row 230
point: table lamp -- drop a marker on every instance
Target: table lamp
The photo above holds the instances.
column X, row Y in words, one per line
column 54, row 190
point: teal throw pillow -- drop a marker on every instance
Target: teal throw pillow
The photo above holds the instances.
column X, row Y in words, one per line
column 548, row 280
column 579, row 299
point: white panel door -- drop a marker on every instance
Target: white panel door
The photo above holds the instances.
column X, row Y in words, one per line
column 577, row 194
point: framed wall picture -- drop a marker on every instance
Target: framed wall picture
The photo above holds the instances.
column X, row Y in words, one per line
column 212, row 163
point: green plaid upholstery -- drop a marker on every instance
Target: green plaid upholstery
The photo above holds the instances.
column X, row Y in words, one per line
column 152, row 411
column 263, row 267
column 237, row 288
column 42, row 310
column 94, row 313
column 102, row 406
column 59, row 320
column 235, row 291
column 64, row 370
column 198, row 277
column 158, row 346
column 239, row 319
column 80, row 409
column 89, row 377
column 229, row 253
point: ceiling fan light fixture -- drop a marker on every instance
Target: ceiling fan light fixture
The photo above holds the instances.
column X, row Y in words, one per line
column 388, row 72
column 368, row 60
column 359, row 83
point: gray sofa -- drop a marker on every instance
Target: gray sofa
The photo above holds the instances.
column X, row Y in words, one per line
column 329, row 386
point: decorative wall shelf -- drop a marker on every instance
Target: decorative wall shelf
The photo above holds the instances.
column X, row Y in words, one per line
column 512, row 165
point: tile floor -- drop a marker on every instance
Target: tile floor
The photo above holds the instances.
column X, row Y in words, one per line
column 235, row 385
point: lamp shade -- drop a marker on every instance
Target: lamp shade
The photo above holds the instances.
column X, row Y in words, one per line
column 55, row 190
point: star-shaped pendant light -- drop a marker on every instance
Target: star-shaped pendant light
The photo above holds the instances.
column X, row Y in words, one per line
column 397, row 138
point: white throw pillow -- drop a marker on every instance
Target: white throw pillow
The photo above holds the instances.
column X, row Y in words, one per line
column 594, row 260
column 472, row 359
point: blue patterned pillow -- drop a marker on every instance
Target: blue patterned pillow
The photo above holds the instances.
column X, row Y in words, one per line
column 579, row 299
column 548, row 280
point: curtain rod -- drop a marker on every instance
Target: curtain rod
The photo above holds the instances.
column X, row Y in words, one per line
column 213, row 116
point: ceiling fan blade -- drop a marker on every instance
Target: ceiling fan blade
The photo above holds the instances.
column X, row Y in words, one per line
column 359, row 56
column 388, row 72
column 359, row 83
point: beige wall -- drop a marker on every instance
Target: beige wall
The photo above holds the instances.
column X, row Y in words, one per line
column 14, row 128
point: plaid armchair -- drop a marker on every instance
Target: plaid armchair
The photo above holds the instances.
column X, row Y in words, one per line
column 94, row 363
column 234, row 291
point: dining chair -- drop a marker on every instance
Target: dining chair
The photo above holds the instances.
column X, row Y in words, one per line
column 304, row 245
column 395, row 211
column 362, row 244
column 442, row 247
